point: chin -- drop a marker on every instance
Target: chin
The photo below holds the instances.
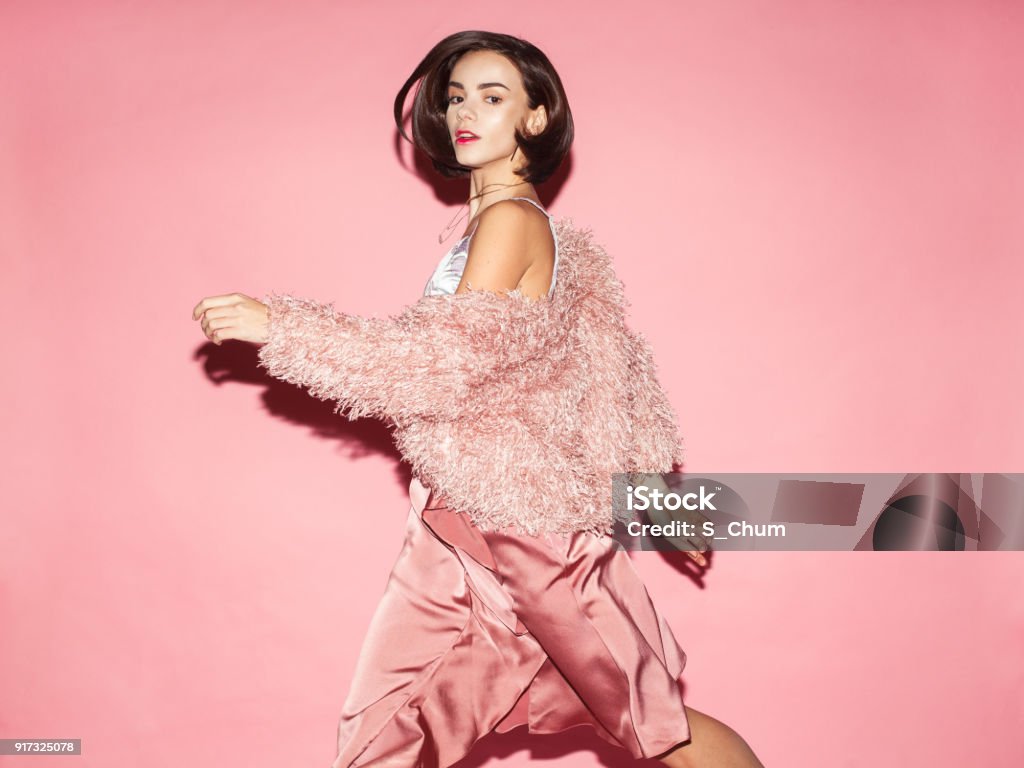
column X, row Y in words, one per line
column 470, row 161
column 466, row 159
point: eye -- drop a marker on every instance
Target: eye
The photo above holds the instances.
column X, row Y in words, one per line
column 451, row 99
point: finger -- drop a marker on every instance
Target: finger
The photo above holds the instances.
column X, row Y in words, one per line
column 697, row 549
column 213, row 301
column 223, row 334
column 692, row 547
column 215, row 322
column 220, row 327
column 219, row 313
column 697, row 553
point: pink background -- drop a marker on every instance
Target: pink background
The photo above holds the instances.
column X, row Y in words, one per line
column 815, row 208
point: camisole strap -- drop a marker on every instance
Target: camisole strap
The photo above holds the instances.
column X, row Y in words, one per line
column 531, row 200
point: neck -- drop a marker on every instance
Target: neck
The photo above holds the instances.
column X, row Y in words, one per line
column 496, row 184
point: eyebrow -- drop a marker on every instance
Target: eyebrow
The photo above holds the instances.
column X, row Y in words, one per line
column 480, row 87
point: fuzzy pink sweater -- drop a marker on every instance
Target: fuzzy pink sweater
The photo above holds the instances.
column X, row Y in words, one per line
column 517, row 410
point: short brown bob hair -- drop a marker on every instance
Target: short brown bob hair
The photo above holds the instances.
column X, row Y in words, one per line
column 544, row 151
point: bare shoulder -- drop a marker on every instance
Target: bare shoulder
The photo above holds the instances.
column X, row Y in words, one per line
column 513, row 219
column 504, row 246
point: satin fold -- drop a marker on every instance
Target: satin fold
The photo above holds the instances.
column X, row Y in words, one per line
column 485, row 631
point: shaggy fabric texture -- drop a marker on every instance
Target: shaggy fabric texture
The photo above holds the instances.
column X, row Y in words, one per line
column 517, row 410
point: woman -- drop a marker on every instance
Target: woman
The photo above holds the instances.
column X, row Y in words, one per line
column 509, row 603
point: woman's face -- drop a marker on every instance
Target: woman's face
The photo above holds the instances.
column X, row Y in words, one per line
column 486, row 97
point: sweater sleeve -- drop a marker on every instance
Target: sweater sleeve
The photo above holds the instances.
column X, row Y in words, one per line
column 425, row 362
column 657, row 443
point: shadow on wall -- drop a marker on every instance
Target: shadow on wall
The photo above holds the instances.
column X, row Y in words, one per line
column 237, row 362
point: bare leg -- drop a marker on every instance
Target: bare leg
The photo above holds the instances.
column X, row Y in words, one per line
column 712, row 744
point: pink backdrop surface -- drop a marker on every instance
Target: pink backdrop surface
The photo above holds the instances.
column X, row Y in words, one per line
column 815, row 209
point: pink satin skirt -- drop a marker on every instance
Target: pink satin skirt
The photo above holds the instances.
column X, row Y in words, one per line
column 485, row 631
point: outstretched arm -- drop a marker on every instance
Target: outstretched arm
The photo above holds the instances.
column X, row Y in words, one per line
column 435, row 359
column 424, row 362
column 427, row 361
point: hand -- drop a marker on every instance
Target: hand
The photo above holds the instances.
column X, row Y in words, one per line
column 691, row 545
column 233, row 316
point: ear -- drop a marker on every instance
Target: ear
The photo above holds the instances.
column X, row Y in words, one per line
column 537, row 120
